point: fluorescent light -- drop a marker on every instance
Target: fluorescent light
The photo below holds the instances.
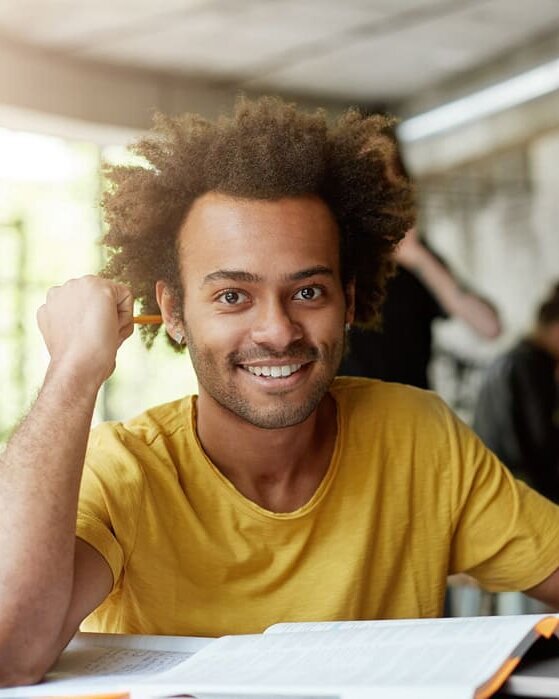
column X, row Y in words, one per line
column 509, row 93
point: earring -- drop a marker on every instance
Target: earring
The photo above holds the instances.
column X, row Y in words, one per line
column 179, row 338
column 347, row 327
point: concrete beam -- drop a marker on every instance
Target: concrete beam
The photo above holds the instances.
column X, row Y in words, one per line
column 45, row 91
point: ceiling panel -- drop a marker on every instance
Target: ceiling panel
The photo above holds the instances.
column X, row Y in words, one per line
column 66, row 22
column 234, row 43
column 405, row 60
column 360, row 50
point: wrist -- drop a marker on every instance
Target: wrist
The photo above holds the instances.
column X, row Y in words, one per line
column 75, row 379
column 419, row 261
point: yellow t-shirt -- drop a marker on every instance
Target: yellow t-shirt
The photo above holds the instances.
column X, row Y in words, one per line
column 410, row 496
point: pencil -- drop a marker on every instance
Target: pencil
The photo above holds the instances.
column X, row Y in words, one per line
column 147, row 320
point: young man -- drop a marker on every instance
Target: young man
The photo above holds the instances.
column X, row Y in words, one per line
column 278, row 493
column 517, row 411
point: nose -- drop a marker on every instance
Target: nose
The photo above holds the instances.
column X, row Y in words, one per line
column 274, row 326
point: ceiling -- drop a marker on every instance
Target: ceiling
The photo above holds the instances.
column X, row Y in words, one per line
column 361, row 51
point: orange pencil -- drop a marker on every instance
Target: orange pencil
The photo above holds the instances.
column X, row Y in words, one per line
column 146, row 320
column 120, row 695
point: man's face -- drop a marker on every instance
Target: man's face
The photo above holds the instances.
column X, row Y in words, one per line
column 263, row 304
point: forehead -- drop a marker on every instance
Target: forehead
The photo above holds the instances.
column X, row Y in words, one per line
column 268, row 238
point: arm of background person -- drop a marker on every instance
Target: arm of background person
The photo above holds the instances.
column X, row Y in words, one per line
column 48, row 582
column 479, row 314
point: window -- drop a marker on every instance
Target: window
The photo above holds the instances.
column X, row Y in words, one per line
column 50, row 225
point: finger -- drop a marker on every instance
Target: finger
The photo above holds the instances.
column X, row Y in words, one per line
column 124, row 299
column 52, row 292
column 40, row 316
column 125, row 332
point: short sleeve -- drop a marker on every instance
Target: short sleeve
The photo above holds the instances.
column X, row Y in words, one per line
column 110, row 497
column 504, row 533
column 96, row 533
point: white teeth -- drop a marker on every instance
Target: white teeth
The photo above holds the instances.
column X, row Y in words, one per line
column 275, row 372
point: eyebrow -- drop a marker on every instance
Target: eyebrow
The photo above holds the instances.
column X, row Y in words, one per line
column 234, row 275
column 238, row 275
column 310, row 272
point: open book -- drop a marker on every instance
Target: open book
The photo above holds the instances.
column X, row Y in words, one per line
column 466, row 657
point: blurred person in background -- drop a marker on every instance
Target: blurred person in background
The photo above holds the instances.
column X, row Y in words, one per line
column 422, row 290
column 517, row 411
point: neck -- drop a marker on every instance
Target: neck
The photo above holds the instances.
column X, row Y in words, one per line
column 546, row 341
column 278, row 469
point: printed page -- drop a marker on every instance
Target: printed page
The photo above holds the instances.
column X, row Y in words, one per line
column 179, row 644
column 291, row 627
column 160, row 693
column 113, row 661
column 176, row 691
column 442, row 655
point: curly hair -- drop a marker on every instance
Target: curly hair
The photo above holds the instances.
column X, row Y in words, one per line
column 267, row 149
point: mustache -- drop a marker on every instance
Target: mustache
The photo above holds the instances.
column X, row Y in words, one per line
column 298, row 352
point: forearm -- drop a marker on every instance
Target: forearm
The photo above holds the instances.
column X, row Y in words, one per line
column 473, row 310
column 40, row 474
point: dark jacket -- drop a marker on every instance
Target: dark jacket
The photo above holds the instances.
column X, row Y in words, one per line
column 517, row 416
column 401, row 350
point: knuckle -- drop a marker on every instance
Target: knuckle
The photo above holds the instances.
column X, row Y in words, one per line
column 52, row 292
column 88, row 281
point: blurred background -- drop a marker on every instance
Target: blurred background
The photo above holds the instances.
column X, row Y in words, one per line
column 475, row 83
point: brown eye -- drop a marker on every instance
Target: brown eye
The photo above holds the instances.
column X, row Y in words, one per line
column 308, row 293
column 232, row 297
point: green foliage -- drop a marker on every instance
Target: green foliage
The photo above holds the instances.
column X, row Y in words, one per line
column 50, row 225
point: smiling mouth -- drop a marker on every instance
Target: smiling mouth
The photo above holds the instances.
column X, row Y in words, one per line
column 273, row 371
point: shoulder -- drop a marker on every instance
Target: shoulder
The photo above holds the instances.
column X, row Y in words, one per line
column 160, row 421
column 408, row 439
column 410, row 424
column 518, row 364
column 359, row 396
column 150, row 440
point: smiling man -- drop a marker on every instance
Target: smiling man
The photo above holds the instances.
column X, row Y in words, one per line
column 271, row 321
column 279, row 493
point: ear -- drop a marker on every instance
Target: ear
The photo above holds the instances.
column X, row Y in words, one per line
column 350, row 302
column 167, row 303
